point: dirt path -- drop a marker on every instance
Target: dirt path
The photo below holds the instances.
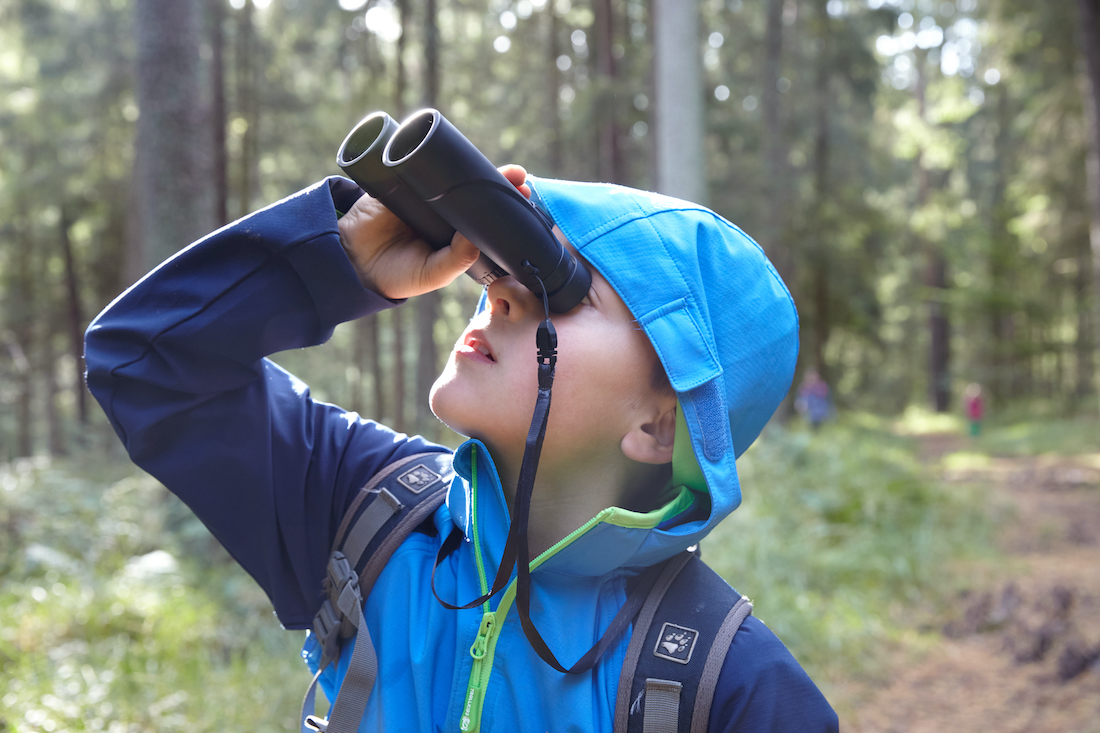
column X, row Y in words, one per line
column 1020, row 650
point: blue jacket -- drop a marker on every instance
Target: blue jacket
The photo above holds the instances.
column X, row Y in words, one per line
column 178, row 364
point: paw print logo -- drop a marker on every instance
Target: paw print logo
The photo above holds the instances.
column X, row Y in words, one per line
column 676, row 643
column 417, row 479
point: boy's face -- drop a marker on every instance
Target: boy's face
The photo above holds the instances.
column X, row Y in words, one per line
column 601, row 386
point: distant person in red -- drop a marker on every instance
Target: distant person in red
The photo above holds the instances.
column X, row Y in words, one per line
column 974, row 407
column 813, row 399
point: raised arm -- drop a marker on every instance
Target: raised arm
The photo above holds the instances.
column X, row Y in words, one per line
column 177, row 362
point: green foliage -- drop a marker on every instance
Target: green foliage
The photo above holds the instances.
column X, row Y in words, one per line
column 118, row 612
column 971, row 146
column 1032, row 436
column 838, row 531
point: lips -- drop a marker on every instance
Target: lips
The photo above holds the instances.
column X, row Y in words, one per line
column 476, row 346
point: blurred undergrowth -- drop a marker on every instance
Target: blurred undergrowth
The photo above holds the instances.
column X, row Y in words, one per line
column 839, row 533
column 1060, row 435
column 119, row 613
column 1025, row 428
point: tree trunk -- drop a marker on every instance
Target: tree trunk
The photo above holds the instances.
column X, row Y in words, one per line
column 75, row 319
column 818, row 242
column 22, row 317
column 370, row 333
column 356, row 402
column 54, row 431
column 432, row 77
column 171, row 176
column 427, row 305
column 1090, row 44
column 935, row 275
column 610, row 151
column 365, row 354
column 218, row 119
column 427, row 357
column 401, row 81
column 397, row 321
column 1084, row 344
column 678, row 104
column 1001, row 244
column 939, row 330
column 24, row 414
column 553, row 90
column 775, row 151
column 247, row 108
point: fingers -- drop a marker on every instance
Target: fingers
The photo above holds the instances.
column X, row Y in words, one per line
column 418, row 269
column 444, row 266
column 391, row 260
column 517, row 176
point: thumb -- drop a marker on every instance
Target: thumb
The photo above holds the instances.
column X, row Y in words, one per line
column 445, row 265
column 463, row 251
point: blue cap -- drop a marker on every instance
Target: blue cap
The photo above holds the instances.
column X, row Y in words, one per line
column 718, row 315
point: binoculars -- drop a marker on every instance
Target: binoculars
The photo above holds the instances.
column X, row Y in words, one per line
column 435, row 180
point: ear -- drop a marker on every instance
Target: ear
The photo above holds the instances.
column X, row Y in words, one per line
column 651, row 441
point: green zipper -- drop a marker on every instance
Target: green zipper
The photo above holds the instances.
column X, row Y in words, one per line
column 485, row 644
column 478, row 560
column 484, row 647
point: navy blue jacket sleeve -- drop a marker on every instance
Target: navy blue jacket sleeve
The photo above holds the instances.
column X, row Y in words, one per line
column 178, row 364
column 763, row 689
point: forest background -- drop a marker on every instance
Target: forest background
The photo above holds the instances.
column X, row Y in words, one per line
column 925, row 174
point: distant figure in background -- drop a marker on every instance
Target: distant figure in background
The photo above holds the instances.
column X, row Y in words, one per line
column 813, row 399
column 974, row 407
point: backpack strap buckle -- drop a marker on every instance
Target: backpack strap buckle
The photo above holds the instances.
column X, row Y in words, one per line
column 326, row 624
column 369, row 534
column 343, row 592
column 334, row 620
column 313, row 723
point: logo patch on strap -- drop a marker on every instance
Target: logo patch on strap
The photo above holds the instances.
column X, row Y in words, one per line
column 676, row 643
column 418, row 478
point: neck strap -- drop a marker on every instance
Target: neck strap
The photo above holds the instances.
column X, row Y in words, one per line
column 516, row 549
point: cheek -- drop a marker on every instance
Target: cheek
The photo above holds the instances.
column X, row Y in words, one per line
column 599, row 380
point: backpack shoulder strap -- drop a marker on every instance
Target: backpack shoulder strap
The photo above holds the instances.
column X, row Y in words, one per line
column 400, row 488
column 396, row 500
column 677, row 650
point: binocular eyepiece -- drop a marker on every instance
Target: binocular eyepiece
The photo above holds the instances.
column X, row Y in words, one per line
column 435, row 180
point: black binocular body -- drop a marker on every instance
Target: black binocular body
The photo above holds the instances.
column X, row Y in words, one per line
column 435, row 180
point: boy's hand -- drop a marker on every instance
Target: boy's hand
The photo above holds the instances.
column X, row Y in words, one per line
column 392, row 261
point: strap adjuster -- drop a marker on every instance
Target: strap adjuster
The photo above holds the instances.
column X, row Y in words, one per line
column 331, row 623
column 343, row 590
column 314, row 723
column 326, row 624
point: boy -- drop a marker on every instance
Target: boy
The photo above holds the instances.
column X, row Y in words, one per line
column 681, row 352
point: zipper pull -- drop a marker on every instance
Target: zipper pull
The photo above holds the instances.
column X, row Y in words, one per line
column 481, row 643
column 475, row 695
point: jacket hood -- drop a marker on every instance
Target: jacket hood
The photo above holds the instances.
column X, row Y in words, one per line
column 723, row 325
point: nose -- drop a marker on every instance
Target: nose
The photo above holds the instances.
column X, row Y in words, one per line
column 509, row 298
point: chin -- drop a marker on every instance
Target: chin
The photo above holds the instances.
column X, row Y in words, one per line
column 445, row 403
column 459, row 408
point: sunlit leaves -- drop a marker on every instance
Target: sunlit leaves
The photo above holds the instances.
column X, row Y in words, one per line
column 936, row 146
